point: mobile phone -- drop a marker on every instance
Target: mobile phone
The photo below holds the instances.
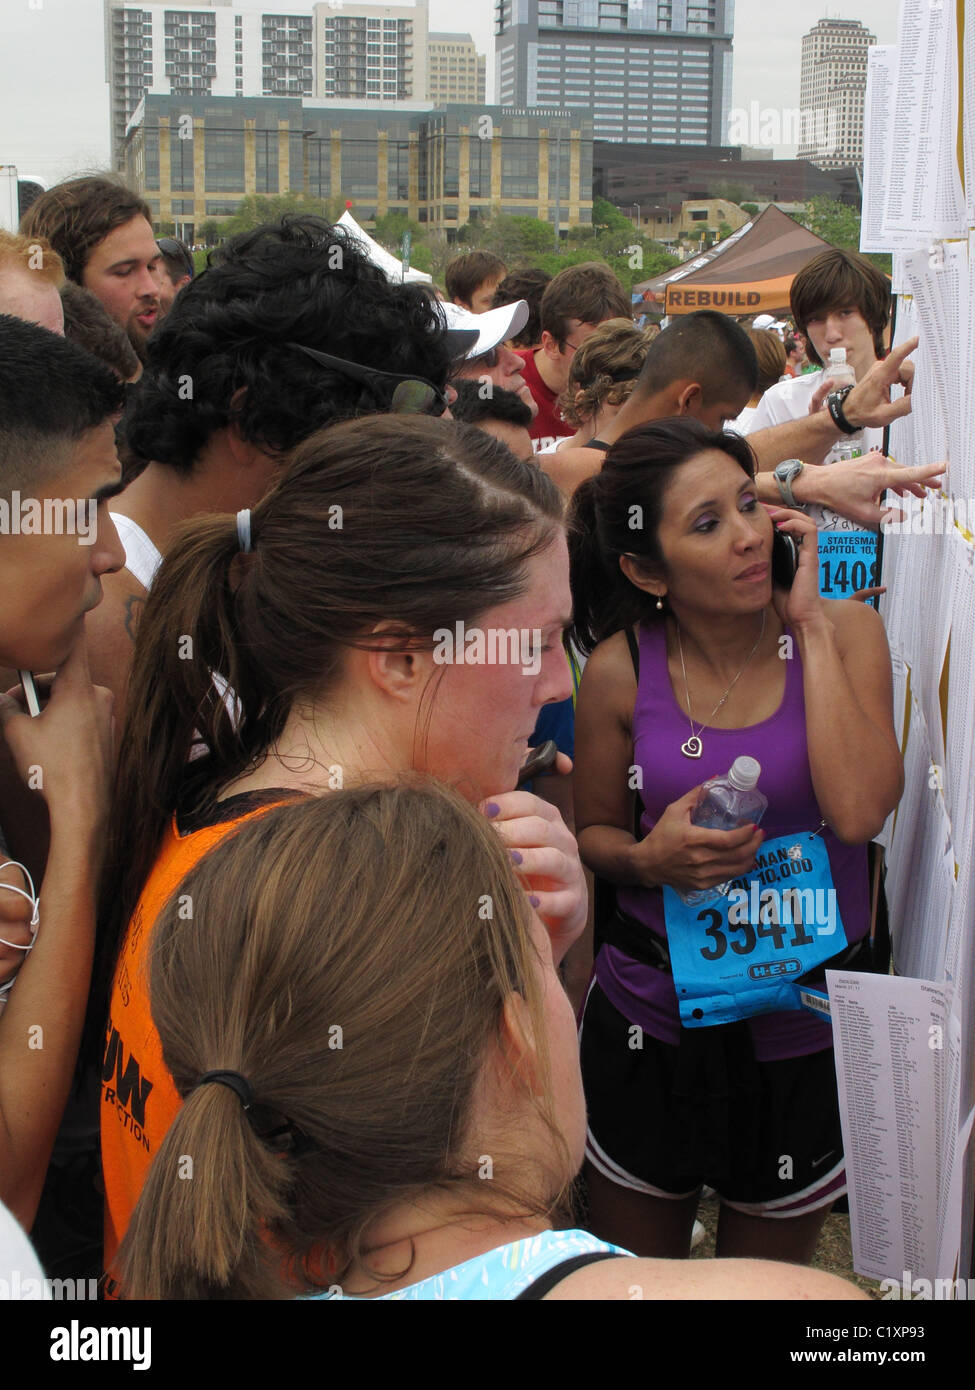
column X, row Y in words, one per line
column 30, row 693
column 785, row 560
column 541, row 760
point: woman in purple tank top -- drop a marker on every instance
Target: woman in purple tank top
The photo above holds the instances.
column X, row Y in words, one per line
column 698, row 659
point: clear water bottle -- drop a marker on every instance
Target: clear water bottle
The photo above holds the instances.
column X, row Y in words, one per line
column 841, row 373
column 726, row 803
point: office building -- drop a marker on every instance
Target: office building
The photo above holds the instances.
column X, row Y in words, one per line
column 648, row 70
column 455, row 70
column 658, row 185
column 196, row 157
column 832, row 86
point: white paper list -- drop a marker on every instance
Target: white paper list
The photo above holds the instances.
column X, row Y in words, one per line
column 892, row 1106
column 924, row 193
column 878, row 151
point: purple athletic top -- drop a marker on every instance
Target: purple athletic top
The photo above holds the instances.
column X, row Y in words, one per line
column 646, row 996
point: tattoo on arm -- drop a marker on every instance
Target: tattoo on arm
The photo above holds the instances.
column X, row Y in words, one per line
column 134, row 605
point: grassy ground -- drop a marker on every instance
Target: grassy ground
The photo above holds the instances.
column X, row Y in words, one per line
column 833, row 1253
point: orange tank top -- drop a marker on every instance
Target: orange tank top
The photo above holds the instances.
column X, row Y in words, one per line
column 138, row 1097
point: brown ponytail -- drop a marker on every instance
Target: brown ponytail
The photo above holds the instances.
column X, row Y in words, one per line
column 408, row 520
column 350, row 956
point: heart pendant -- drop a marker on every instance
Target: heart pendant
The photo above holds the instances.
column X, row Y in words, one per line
column 692, row 748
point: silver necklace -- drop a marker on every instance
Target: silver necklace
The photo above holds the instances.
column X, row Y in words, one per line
column 693, row 748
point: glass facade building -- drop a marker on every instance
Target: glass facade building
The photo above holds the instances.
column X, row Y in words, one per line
column 649, row 71
column 198, row 156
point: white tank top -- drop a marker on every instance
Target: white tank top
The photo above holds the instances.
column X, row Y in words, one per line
column 142, row 559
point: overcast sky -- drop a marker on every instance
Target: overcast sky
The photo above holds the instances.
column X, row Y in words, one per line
column 54, row 99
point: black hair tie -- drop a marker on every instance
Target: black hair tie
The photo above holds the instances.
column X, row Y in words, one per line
column 269, row 1125
column 235, row 1081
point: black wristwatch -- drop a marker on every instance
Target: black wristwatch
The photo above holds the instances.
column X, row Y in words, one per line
column 834, row 404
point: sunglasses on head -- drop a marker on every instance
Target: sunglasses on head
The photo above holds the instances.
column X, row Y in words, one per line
column 170, row 247
column 412, row 395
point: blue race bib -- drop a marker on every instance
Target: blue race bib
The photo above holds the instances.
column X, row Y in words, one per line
column 741, row 954
column 847, row 562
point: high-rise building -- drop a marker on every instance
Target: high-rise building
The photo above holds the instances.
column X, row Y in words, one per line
column 372, row 52
column 832, row 85
column 207, row 48
column 656, row 71
column 455, row 69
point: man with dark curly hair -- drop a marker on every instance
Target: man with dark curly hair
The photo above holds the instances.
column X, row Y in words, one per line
column 231, row 385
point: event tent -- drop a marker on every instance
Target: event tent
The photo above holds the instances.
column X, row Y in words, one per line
column 388, row 263
column 750, row 272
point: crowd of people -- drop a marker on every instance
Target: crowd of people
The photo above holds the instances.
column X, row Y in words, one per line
column 305, row 987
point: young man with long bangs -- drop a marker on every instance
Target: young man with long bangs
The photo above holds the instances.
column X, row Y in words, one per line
column 839, row 300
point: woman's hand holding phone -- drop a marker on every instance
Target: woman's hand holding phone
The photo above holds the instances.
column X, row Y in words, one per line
column 801, row 604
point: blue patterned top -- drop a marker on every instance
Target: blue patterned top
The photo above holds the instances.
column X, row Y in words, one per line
column 503, row 1273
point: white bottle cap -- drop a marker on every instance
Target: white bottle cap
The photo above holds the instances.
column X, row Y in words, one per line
column 837, row 357
column 744, row 773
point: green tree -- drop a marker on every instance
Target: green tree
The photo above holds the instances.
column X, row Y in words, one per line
column 611, row 237
column 389, row 231
column 607, row 215
column 837, row 223
column 518, row 240
column 209, row 231
column 258, row 208
column 750, row 208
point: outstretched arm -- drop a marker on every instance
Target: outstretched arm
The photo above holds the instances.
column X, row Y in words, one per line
column 68, row 749
column 854, row 488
